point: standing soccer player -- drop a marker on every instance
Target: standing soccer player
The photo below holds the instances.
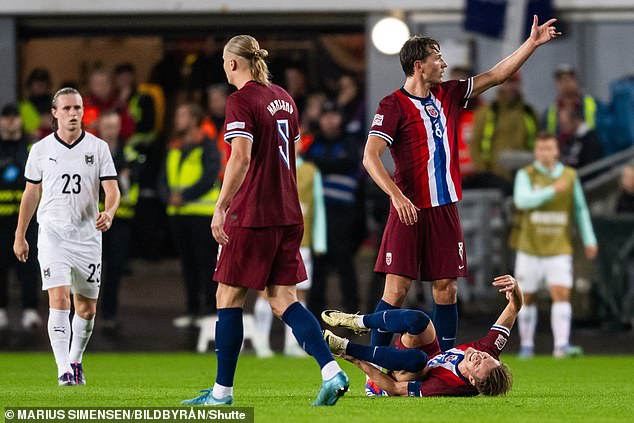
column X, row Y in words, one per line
column 423, row 238
column 67, row 167
column 258, row 221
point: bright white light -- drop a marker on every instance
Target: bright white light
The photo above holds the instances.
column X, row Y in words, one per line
column 389, row 35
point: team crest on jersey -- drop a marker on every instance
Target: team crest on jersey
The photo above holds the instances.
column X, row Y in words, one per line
column 388, row 258
column 431, row 111
column 47, row 273
column 500, row 342
column 378, row 120
column 90, row 159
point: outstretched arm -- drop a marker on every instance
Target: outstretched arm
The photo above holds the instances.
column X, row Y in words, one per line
column 540, row 34
column 382, row 380
column 509, row 286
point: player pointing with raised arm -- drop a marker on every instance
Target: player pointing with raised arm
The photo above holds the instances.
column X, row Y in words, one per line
column 419, row 122
column 419, row 367
column 258, row 221
column 66, row 168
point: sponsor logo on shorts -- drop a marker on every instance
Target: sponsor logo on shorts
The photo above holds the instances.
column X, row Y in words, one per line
column 90, row 159
column 47, row 273
column 500, row 342
column 378, row 120
column 388, row 258
column 461, row 254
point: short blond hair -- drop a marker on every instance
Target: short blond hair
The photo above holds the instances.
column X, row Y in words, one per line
column 498, row 382
column 248, row 48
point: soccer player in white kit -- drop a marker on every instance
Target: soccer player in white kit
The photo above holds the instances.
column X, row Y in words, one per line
column 66, row 168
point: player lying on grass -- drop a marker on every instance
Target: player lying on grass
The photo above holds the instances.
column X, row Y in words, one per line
column 417, row 365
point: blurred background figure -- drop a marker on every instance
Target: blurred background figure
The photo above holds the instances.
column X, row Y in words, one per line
column 13, row 155
column 188, row 187
column 350, row 100
column 206, row 70
column 296, row 85
column 625, row 201
column 116, row 241
column 569, row 97
column 311, row 200
column 578, row 143
column 35, row 108
column 466, row 122
column 101, row 97
column 504, row 128
column 214, row 122
column 549, row 196
column 337, row 156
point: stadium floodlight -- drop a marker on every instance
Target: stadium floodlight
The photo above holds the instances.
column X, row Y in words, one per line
column 389, row 34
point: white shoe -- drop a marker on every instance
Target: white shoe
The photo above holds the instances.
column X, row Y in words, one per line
column 4, row 319
column 294, row 350
column 184, row 321
column 31, row 319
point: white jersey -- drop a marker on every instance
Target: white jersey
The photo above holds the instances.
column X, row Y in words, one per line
column 70, row 176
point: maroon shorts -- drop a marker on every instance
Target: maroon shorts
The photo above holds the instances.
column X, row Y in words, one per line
column 432, row 349
column 429, row 250
column 257, row 257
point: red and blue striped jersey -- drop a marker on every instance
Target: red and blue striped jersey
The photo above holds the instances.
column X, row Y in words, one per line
column 443, row 377
column 423, row 137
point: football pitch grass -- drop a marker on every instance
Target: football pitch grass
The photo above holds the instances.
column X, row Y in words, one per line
column 593, row 389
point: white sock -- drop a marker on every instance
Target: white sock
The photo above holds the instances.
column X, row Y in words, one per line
column 82, row 329
column 59, row 335
column 560, row 320
column 263, row 320
column 527, row 323
column 221, row 391
column 330, row 370
column 359, row 321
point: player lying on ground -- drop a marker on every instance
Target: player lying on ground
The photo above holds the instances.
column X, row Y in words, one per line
column 417, row 366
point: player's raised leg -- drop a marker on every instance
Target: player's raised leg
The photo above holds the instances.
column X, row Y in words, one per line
column 229, row 336
column 305, row 327
column 394, row 293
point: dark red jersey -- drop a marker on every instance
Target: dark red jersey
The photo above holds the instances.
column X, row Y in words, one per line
column 268, row 117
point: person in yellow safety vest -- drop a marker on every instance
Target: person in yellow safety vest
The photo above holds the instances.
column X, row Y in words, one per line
column 507, row 124
column 13, row 155
column 550, row 197
column 116, row 241
column 189, row 186
column 569, row 96
column 35, row 108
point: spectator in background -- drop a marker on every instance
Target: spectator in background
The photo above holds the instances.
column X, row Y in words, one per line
column 569, row 97
column 101, row 97
column 296, row 85
column 337, row 157
column 116, row 242
column 214, row 122
column 13, row 155
column 466, row 122
column 350, row 101
column 507, row 125
column 206, row 71
column 309, row 120
column 549, row 195
column 35, row 109
column 578, row 143
column 188, row 187
column 625, row 201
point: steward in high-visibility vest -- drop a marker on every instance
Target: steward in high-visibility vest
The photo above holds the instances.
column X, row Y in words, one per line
column 507, row 124
column 190, row 187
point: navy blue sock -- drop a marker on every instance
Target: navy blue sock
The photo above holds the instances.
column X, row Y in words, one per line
column 445, row 319
column 229, row 334
column 411, row 360
column 398, row 321
column 378, row 337
column 307, row 332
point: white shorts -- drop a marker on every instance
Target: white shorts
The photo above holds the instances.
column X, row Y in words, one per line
column 531, row 270
column 64, row 263
column 307, row 256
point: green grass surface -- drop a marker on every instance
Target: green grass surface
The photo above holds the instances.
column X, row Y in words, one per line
column 594, row 389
